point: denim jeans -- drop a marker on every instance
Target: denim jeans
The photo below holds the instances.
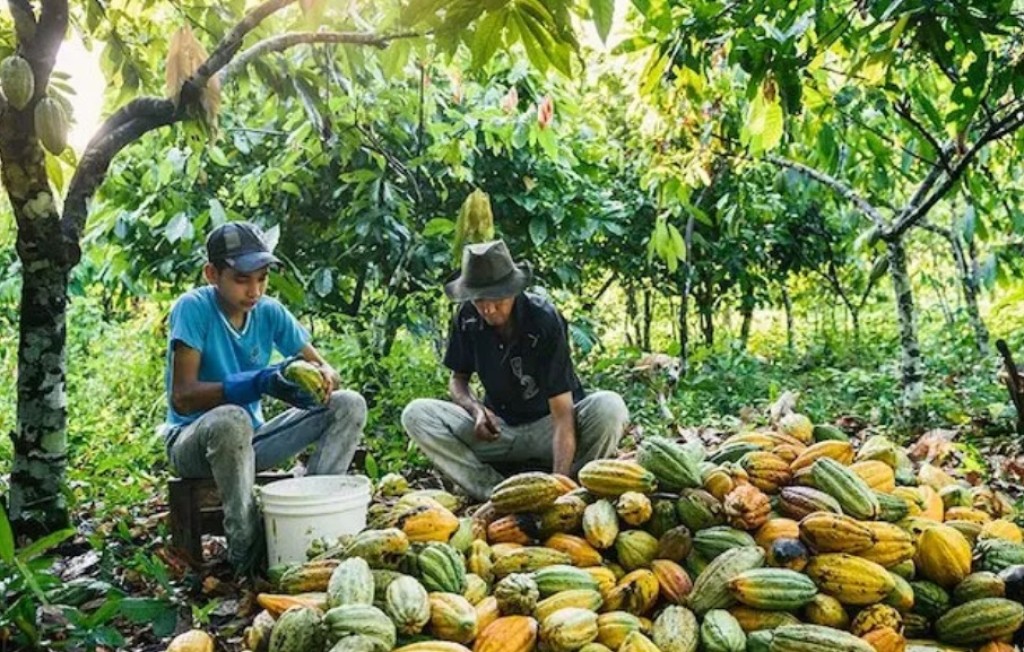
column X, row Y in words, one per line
column 222, row 444
column 444, row 432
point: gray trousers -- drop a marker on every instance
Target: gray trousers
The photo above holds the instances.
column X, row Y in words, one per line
column 444, row 432
column 222, row 444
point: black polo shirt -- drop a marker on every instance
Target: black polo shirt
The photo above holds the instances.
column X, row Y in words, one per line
column 518, row 377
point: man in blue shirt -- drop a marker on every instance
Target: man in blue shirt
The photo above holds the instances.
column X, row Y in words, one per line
column 218, row 367
column 534, row 408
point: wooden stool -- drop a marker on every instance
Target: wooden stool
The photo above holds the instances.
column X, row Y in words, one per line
column 196, row 510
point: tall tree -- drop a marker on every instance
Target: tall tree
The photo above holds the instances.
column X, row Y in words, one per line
column 49, row 238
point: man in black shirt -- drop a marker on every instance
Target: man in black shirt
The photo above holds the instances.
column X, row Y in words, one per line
column 534, row 408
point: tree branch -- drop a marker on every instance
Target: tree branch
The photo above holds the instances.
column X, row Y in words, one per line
column 285, row 41
column 227, row 48
column 912, row 214
column 126, row 126
column 839, row 187
column 41, row 50
column 903, row 109
column 946, row 234
column 929, row 182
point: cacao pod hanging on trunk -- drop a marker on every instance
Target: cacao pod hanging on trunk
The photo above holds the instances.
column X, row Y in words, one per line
column 51, row 125
column 17, row 81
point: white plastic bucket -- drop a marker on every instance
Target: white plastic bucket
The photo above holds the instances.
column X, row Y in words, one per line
column 299, row 510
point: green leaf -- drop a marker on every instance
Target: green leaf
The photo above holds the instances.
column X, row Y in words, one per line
column 603, row 11
column 372, row 469
column 535, row 49
column 110, row 608
column 6, row 538
column 217, row 214
column 538, row 230
column 678, row 244
column 323, row 281
column 39, row 546
column 217, row 157
column 764, row 126
column 438, row 226
column 969, row 222
column 55, row 172
column 178, row 228
column 548, row 141
column 773, row 126
column 487, row 38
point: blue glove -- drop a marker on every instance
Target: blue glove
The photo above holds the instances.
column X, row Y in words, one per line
column 247, row 387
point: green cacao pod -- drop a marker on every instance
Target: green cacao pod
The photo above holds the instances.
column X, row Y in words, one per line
column 359, row 619
column 408, row 605
column 635, row 549
column 721, row 632
column 976, row 586
column 815, row 638
column 675, row 630
column 712, row 542
column 51, row 125
column 554, row 579
column 673, row 467
column 298, row 628
column 517, row 595
column 773, row 588
column 350, row 583
column 979, row 621
column 699, row 510
column 442, row 569
column 663, row 517
column 17, row 81
column 711, row 590
column 930, row 599
column 851, row 492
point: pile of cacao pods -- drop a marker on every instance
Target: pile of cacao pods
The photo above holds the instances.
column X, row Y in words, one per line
column 784, row 540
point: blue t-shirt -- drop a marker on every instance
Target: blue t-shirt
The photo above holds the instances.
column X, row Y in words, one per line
column 197, row 321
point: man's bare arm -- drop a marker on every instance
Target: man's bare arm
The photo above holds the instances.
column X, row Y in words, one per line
column 485, row 424
column 564, row 441
column 188, row 393
column 461, row 394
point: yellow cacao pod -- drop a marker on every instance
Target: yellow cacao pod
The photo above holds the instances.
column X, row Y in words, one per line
column 192, row 641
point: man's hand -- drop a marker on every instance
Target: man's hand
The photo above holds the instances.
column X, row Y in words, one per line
column 485, row 424
column 281, row 388
column 332, row 379
column 247, row 387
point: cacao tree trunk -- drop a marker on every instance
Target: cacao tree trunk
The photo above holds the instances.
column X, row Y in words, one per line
column 911, row 364
column 36, row 502
column 707, row 317
column 747, row 312
column 648, row 316
column 969, row 286
column 787, row 304
column 684, row 299
column 631, row 340
column 684, row 330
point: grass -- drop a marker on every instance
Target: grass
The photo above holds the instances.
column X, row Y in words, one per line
column 115, row 390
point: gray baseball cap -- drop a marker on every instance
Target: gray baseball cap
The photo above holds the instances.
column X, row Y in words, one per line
column 241, row 246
